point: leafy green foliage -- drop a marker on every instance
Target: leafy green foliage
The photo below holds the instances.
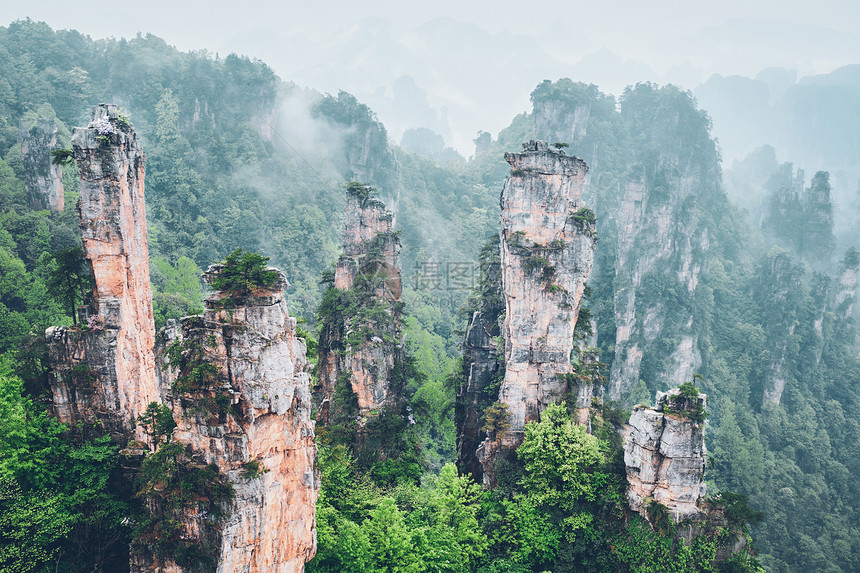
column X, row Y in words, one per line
column 362, row 528
column 158, row 423
column 31, row 528
column 176, row 289
column 253, row 469
column 496, row 420
column 686, row 403
column 195, row 372
column 173, row 486
column 69, row 279
column 59, row 491
column 64, row 157
column 243, row 273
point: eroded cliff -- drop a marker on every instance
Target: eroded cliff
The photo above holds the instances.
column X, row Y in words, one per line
column 43, row 178
column 237, row 381
column 217, row 425
column 483, row 363
column 665, row 454
column 654, row 174
column 547, row 241
column 104, row 371
column 360, row 350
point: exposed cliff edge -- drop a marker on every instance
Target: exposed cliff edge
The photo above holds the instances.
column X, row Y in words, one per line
column 44, row 178
column 360, row 349
column 547, row 241
column 654, row 173
column 665, row 454
column 483, row 363
column 237, row 381
column 105, row 371
column 224, row 405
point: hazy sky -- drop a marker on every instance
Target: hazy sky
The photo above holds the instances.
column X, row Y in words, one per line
column 196, row 24
column 475, row 69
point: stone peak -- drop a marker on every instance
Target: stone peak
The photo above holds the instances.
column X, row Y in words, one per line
column 104, row 110
column 538, row 156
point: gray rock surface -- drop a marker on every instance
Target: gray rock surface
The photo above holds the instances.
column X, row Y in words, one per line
column 547, row 253
column 665, row 456
column 43, row 180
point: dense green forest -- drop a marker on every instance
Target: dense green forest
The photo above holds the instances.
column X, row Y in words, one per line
column 238, row 158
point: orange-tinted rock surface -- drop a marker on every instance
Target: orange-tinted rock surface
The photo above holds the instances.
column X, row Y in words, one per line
column 253, row 413
column 43, row 179
column 363, row 346
column 547, row 249
column 106, row 371
column 251, row 420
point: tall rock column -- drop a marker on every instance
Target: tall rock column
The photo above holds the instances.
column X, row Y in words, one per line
column 238, row 382
column 360, row 343
column 547, row 250
column 44, row 179
column 483, row 363
column 105, row 371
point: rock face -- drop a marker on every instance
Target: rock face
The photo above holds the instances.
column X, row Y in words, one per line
column 779, row 279
column 252, row 415
column 483, row 364
column 366, row 154
column 665, row 455
column 653, row 169
column 547, row 248
column 662, row 238
column 798, row 220
column 106, row 372
column 236, row 381
column 846, row 292
column 363, row 347
column 44, row 180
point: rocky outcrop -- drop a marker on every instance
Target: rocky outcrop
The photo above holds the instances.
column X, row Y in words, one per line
column 798, row 220
column 366, row 155
column 483, row 363
column 368, row 233
column 779, row 278
column 248, row 414
column 235, row 381
column 657, row 242
column 43, row 179
column 846, row 291
column 547, row 247
column 653, row 171
column 665, row 454
column 105, row 371
column 360, row 342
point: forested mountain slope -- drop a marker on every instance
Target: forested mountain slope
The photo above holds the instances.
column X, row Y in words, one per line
column 683, row 284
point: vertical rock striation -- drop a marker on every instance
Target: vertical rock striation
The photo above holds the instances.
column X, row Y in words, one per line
column 654, row 174
column 366, row 154
column 660, row 241
column 547, row 248
column 360, row 343
column 250, row 417
column 43, row 179
column 483, row 363
column 846, row 293
column 665, row 455
column 106, row 370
